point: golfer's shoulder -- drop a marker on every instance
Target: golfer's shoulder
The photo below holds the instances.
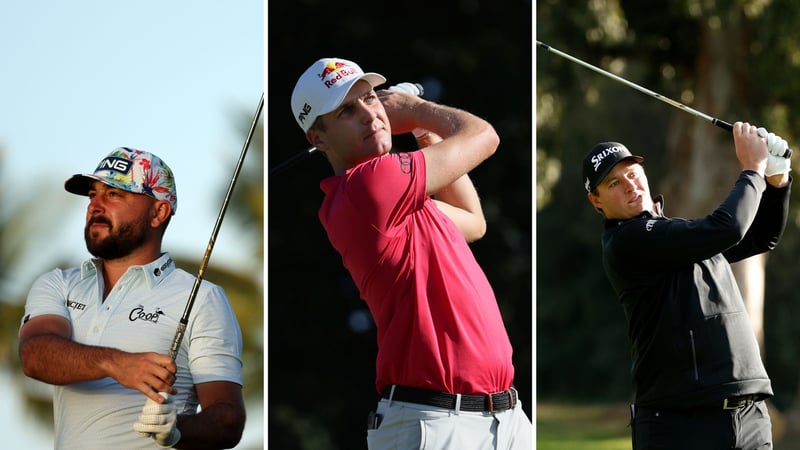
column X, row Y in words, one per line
column 181, row 280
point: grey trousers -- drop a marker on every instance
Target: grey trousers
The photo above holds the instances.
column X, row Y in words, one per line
column 410, row 426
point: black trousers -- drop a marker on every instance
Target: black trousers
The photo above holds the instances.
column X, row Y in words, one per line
column 746, row 428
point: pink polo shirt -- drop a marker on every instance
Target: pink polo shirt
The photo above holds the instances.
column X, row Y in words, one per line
column 438, row 323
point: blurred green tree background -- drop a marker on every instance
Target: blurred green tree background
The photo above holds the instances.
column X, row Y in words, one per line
column 734, row 60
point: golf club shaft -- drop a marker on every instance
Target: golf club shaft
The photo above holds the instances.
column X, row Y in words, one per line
column 179, row 333
column 291, row 161
column 720, row 123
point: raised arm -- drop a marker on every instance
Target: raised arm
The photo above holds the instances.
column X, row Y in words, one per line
column 467, row 140
column 455, row 143
column 459, row 200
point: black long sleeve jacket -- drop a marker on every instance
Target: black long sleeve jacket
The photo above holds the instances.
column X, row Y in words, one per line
column 692, row 342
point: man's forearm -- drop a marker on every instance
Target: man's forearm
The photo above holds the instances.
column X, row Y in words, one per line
column 57, row 360
column 463, row 195
column 460, row 202
column 218, row 426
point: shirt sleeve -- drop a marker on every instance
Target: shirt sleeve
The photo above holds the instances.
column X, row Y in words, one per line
column 768, row 225
column 388, row 189
column 215, row 347
column 48, row 295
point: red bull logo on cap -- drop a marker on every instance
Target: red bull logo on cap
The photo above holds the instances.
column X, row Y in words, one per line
column 340, row 71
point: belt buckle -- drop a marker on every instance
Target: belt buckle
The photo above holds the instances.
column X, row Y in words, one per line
column 512, row 399
column 513, row 395
column 737, row 402
column 726, row 406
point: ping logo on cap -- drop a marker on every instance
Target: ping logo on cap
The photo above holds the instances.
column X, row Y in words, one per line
column 304, row 113
column 120, row 165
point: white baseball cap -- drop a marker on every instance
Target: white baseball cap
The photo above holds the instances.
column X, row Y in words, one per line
column 324, row 85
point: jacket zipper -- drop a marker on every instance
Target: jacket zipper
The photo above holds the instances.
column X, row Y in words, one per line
column 694, row 355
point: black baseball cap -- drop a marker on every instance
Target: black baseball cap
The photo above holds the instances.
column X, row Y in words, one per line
column 599, row 161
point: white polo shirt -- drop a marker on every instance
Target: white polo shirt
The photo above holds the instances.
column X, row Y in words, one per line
column 141, row 314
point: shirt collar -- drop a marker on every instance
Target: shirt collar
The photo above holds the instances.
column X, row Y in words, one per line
column 153, row 272
column 658, row 211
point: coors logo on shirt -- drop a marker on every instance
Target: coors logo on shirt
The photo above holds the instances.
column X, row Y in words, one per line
column 139, row 313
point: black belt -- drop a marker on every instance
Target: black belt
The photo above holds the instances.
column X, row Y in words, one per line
column 499, row 401
column 740, row 401
column 729, row 403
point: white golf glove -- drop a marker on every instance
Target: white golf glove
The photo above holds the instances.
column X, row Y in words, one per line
column 159, row 421
column 408, row 88
column 776, row 163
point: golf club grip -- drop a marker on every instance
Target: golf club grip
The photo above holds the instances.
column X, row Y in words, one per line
column 726, row 126
column 176, row 340
column 722, row 124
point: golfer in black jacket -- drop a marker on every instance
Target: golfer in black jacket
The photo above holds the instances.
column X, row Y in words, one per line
column 698, row 377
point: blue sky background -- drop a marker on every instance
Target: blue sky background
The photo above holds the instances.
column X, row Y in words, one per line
column 81, row 78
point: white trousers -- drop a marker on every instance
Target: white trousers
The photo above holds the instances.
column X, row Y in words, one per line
column 411, row 426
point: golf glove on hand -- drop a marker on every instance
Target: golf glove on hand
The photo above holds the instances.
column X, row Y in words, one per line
column 159, row 421
column 408, row 88
column 776, row 145
column 776, row 163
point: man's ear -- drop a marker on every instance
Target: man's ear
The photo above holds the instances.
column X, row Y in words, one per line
column 317, row 139
column 162, row 210
column 594, row 200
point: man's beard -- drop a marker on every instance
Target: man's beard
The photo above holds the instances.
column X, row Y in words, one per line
column 121, row 241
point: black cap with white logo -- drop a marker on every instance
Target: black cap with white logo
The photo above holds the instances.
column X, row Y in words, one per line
column 599, row 161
